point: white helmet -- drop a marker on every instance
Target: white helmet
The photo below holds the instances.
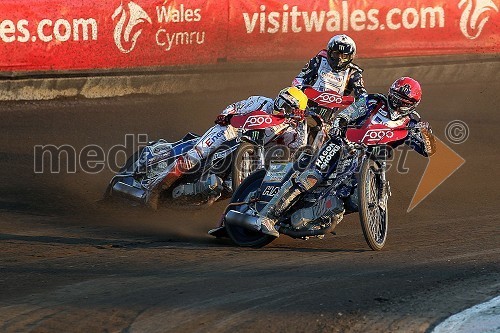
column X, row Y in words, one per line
column 341, row 50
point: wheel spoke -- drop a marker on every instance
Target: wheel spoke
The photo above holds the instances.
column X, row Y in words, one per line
column 374, row 213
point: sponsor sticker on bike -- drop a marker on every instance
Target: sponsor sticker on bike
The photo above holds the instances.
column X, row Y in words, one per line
column 277, row 172
column 375, row 135
column 271, row 191
column 255, row 121
column 326, row 156
column 329, row 98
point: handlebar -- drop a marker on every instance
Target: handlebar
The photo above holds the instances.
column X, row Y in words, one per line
column 394, row 129
column 354, row 145
column 406, row 128
column 359, row 145
column 328, row 99
column 295, row 117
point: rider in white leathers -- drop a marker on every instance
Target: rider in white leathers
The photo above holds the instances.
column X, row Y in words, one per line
column 332, row 70
column 290, row 100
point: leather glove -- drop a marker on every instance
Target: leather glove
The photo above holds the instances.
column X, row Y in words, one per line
column 303, row 86
column 424, row 126
column 338, row 127
column 429, row 140
column 299, row 113
column 223, row 119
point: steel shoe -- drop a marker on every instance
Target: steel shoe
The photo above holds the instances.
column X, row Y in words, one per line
column 267, row 227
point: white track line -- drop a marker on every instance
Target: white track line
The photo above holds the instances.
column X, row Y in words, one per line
column 481, row 318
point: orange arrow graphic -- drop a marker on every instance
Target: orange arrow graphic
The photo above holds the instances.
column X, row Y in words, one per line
column 441, row 165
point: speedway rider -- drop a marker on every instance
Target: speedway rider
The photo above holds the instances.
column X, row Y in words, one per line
column 332, row 70
column 290, row 101
column 399, row 107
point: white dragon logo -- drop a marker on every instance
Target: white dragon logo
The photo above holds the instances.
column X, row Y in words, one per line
column 470, row 16
column 135, row 15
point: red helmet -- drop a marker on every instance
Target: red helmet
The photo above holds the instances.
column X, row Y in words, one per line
column 404, row 96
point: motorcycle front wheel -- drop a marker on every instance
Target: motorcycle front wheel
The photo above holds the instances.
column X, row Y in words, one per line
column 248, row 159
column 372, row 215
column 239, row 235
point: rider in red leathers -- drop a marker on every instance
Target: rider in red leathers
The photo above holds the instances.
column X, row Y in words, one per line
column 399, row 107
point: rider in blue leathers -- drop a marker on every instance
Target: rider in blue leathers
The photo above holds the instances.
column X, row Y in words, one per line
column 399, row 107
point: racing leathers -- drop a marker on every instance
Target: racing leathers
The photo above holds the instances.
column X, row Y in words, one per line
column 290, row 134
column 373, row 108
column 318, row 74
column 422, row 141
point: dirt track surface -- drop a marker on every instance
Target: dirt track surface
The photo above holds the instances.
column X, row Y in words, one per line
column 68, row 264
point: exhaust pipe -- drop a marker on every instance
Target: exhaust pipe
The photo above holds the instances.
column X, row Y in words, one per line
column 250, row 222
column 254, row 223
column 306, row 233
column 311, row 233
column 129, row 192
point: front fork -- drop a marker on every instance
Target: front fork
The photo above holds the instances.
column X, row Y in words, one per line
column 385, row 191
column 256, row 138
column 261, row 155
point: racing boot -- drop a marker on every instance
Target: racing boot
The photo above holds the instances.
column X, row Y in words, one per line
column 287, row 194
column 182, row 165
column 152, row 199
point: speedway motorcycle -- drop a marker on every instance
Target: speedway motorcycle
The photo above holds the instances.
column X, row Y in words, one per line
column 358, row 184
column 209, row 181
column 256, row 150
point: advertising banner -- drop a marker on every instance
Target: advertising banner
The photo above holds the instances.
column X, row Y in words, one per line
column 54, row 35
column 294, row 29
column 81, row 34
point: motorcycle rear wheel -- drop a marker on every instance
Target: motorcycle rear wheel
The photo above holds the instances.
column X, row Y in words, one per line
column 239, row 235
column 128, row 166
column 373, row 218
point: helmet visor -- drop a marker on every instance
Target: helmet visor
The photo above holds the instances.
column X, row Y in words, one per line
column 401, row 105
column 282, row 105
column 340, row 59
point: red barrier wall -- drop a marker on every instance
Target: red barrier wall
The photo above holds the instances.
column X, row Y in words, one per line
column 83, row 35
column 295, row 29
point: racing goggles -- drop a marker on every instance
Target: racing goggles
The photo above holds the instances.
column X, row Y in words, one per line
column 340, row 58
column 401, row 105
column 283, row 105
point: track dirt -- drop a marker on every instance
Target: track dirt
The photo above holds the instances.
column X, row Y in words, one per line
column 69, row 264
